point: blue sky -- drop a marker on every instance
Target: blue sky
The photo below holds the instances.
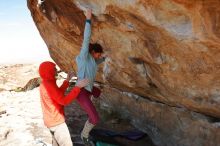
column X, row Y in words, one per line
column 20, row 41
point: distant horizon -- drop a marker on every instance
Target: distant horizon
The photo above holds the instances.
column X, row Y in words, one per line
column 20, row 40
column 24, row 61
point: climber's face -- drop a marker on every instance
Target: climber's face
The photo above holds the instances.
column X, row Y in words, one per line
column 96, row 55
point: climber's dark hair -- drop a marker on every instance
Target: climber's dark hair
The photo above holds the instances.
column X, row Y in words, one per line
column 96, row 48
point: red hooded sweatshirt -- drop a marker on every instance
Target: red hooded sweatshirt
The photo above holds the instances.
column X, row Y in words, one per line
column 52, row 96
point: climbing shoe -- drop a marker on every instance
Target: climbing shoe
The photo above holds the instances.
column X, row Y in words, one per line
column 87, row 141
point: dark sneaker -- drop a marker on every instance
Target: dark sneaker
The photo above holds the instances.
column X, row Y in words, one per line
column 87, row 142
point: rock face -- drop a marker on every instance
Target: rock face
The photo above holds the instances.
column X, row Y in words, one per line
column 164, row 51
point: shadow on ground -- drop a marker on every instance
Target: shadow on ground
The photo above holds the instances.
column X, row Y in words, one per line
column 76, row 118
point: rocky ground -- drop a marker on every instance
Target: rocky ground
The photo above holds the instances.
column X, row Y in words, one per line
column 21, row 118
column 20, row 114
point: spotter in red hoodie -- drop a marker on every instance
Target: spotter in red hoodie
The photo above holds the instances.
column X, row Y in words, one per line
column 53, row 99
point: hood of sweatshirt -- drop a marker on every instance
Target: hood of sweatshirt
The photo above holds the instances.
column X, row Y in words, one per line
column 47, row 70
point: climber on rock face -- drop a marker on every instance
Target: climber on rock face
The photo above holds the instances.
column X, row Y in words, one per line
column 53, row 101
column 87, row 61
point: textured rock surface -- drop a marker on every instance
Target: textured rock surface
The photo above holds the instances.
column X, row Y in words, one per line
column 164, row 50
column 167, row 126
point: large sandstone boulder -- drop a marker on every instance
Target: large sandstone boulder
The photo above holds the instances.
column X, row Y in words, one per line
column 162, row 51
